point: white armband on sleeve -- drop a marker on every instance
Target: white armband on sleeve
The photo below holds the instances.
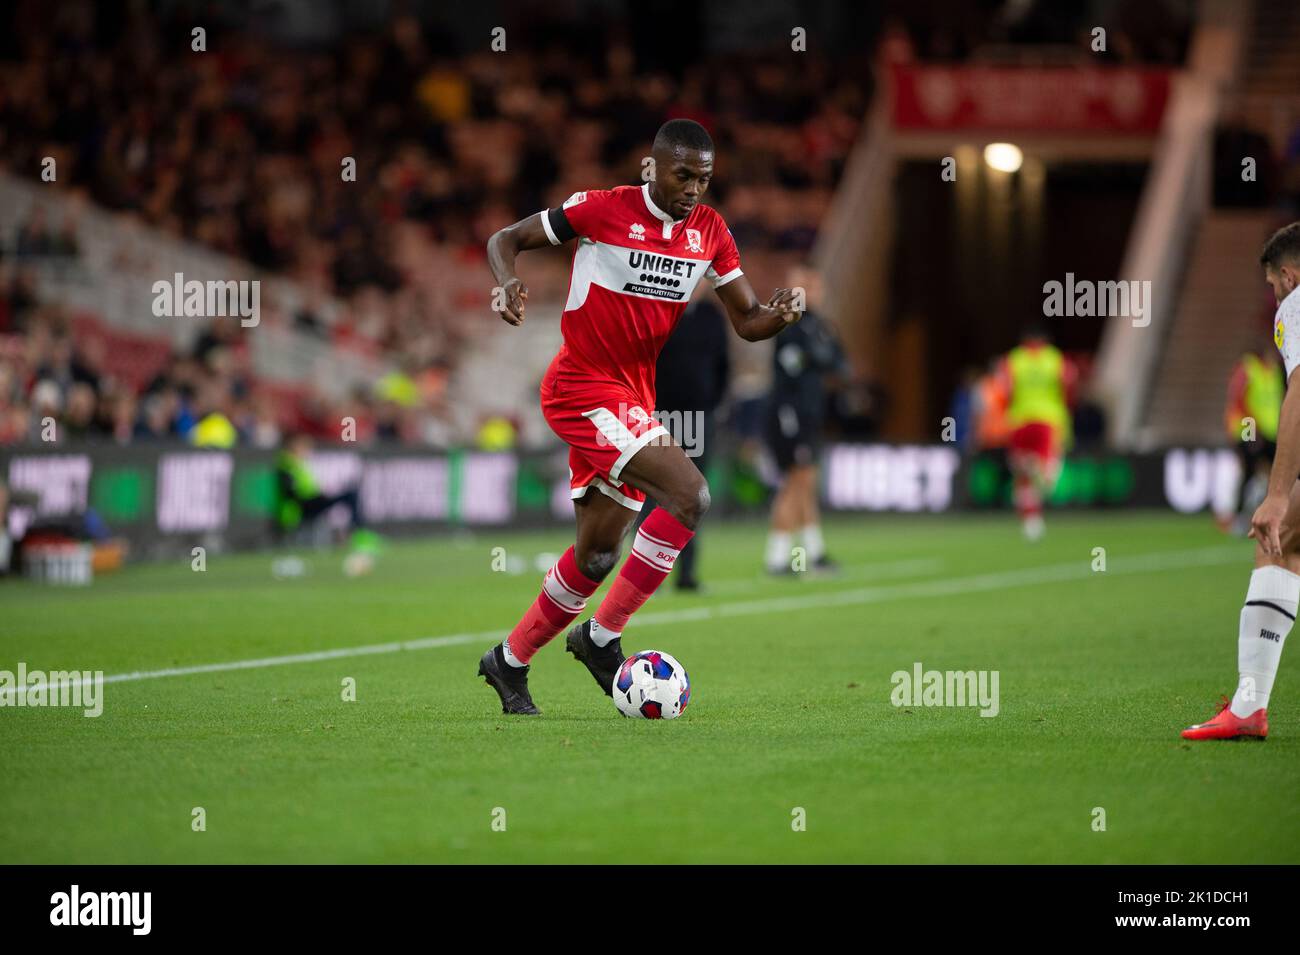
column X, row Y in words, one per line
column 546, row 227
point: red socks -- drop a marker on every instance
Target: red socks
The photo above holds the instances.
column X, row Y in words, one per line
column 565, row 590
column 654, row 551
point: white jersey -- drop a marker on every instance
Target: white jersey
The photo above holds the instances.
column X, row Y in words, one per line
column 1286, row 331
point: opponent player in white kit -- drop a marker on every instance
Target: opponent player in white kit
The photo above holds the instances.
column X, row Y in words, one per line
column 1274, row 590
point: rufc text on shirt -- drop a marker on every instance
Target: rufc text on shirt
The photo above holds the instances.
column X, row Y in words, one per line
column 634, row 271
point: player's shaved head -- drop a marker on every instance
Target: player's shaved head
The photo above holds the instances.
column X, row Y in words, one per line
column 683, row 134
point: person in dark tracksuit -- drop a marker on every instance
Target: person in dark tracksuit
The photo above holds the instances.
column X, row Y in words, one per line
column 301, row 500
column 691, row 379
column 803, row 357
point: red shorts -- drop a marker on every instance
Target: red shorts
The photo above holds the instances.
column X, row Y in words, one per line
column 1036, row 438
column 604, row 426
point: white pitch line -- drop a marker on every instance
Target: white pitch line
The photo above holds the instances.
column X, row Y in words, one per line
column 424, row 643
column 943, row 587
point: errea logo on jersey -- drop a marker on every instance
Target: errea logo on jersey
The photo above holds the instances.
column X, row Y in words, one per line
column 637, row 232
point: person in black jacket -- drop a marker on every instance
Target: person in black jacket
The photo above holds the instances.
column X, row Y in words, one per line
column 804, row 357
column 691, row 379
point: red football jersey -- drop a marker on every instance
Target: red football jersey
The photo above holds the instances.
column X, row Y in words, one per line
column 634, row 271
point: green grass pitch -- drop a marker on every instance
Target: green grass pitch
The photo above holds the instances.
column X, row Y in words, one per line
column 1098, row 671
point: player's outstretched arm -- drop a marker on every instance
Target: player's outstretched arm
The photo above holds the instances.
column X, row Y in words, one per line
column 502, row 249
column 1266, row 524
column 752, row 320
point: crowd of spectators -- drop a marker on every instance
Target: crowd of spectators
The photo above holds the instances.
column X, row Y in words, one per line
column 59, row 381
column 248, row 148
column 371, row 169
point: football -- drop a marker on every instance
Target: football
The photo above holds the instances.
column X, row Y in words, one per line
column 651, row 685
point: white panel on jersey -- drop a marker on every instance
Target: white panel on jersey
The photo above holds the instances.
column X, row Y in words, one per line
column 640, row 273
column 1286, row 331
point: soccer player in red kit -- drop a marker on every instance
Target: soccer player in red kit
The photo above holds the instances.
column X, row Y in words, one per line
column 641, row 252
